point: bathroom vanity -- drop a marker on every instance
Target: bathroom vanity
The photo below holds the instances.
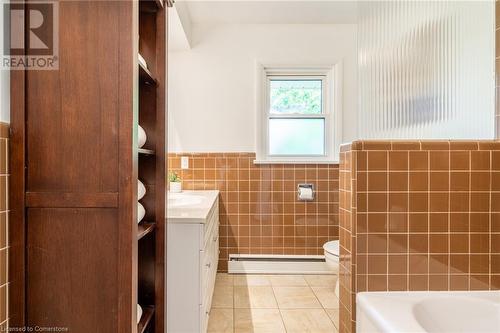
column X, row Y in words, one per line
column 192, row 257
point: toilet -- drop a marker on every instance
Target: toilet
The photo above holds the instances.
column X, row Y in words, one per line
column 331, row 250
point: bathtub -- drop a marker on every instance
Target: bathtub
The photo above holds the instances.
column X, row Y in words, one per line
column 433, row 312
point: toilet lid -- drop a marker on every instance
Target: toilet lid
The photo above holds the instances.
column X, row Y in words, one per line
column 332, row 247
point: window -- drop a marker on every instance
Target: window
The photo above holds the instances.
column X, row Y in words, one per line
column 297, row 116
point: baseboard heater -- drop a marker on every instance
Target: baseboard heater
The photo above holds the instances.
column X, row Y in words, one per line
column 277, row 264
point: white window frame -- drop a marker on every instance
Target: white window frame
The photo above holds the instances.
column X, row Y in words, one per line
column 331, row 77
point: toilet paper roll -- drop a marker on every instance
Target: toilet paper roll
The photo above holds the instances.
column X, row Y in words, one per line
column 140, row 212
column 141, row 137
column 139, row 313
column 141, row 190
column 305, row 193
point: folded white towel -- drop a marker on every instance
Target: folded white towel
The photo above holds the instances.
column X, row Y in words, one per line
column 141, row 190
column 140, row 212
column 141, row 137
column 139, row 313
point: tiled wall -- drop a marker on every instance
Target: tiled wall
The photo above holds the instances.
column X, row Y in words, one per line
column 259, row 211
column 347, row 236
column 4, row 208
column 418, row 216
column 497, row 67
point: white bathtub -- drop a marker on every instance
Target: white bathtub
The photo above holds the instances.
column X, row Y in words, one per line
column 433, row 312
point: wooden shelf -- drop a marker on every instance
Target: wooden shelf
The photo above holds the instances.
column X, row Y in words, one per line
column 147, row 315
column 145, row 228
column 153, row 6
column 145, row 75
column 159, row 4
column 146, row 151
column 151, row 164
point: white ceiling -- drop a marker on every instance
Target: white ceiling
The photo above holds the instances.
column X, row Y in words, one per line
column 271, row 11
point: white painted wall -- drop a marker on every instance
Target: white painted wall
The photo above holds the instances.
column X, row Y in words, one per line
column 4, row 75
column 211, row 93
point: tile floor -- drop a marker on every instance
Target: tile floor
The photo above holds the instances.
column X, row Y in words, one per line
column 274, row 304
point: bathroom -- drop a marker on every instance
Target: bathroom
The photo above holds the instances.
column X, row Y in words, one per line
column 250, row 166
column 232, row 78
column 272, row 274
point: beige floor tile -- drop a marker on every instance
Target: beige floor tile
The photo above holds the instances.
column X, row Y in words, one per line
column 334, row 316
column 258, row 297
column 220, row 321
column 224, row 279
column 258, row 321
column 321, row 280
column 223, row 296
column 296, row 298
column 307, row 320
column 251, row 280
column 287, row 280
column 327, row 297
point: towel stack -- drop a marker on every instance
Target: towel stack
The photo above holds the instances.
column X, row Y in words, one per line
column 141, row 189
column 139, row 313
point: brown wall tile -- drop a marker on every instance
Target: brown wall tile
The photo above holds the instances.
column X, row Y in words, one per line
column 424, row 218
column 259, row 211
column 419, row 160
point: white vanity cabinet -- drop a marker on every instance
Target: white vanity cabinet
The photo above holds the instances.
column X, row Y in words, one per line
column 192, row 258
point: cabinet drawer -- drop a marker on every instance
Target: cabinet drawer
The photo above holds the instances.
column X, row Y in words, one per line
column 204, row 315
column 212, row 223
column 206, row 276
column 210, row 261
column 209, row 272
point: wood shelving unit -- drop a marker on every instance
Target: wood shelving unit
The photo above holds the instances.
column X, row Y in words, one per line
column 146, row 151
column 152, row 166
column 145, row 75
column 159, row 4
column 73, row 214
column 144, row 228
column 154, row 5
column 147, row 315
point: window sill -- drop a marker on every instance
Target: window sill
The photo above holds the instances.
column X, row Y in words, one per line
column 295, row 162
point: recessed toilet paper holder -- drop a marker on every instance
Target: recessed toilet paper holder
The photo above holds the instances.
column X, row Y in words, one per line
column 305, row 192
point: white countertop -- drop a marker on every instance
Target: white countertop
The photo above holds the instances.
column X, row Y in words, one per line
column 190, row 206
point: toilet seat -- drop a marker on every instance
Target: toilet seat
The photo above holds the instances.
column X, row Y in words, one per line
column 332, row 247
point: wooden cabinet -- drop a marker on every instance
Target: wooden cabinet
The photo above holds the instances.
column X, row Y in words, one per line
column 78, row 257
column 193, row 255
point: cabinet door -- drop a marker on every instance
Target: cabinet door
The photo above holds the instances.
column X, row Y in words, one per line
column 63, row 277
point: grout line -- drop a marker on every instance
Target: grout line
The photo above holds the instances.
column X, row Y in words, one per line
column 428, row 216
column 490, row 286
column 449, row 223
column 387, row 222
column 278, row 306
column 469, row 219
column 407, row 273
